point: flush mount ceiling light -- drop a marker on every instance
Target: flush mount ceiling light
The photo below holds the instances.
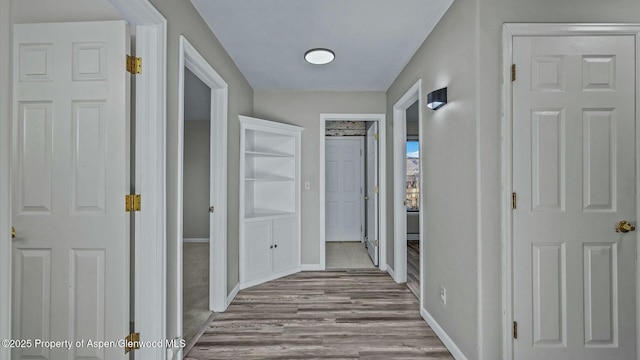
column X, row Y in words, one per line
column 319, row 56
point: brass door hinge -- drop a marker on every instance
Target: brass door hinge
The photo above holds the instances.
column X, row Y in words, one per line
column 376, row 136
column 514, row 200
column 515, row 329
column 132, row 202
column 513, row 72
column 134, row 65
column 376, row 190
column 132, row 342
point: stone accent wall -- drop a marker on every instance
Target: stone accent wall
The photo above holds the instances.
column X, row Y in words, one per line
column 346, row 128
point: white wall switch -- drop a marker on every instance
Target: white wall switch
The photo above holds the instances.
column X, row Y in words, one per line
column 443, row 295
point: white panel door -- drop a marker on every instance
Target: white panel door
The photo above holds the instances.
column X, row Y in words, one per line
column 344, row 189
column 574, row 172
column 372, row 197
column 70, row 176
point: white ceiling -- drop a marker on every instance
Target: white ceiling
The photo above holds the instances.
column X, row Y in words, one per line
column 373, row 39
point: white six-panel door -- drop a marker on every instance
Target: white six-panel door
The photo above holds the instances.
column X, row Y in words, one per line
column 574, row 174
column 70, row 176
column 344, row 189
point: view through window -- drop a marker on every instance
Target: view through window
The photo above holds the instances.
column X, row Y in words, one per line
column 413, row 175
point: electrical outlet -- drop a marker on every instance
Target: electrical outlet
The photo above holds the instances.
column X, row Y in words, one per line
column 443, row 295
column 307, row 185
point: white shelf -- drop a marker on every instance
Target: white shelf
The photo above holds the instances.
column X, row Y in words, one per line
column 268, row 154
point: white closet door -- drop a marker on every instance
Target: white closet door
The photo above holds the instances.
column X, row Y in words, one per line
column 70, row 178
column 574, row 157
column 344, row 189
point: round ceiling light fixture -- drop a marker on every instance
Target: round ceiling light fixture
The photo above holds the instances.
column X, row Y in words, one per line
column 319, row 56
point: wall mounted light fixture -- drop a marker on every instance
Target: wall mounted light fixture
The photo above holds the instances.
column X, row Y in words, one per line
column 436, row 99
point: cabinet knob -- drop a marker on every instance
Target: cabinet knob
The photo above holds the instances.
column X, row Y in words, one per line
column 271, row 247
column 276, row 245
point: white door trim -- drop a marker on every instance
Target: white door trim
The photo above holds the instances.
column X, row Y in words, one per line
column 190, row 58
column 150, row 236
column 509, row 31
column 399, row 180
column 382, row 147
column 5, row 173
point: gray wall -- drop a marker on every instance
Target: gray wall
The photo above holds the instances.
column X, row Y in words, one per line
column 196, row 179
column 447, row 58
column 464, row 52
column 304, row 109
column 183, row 19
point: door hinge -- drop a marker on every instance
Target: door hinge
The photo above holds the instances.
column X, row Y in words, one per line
column 513, row 72
column 515, row 329
column 376, row 190
column 514, row 200
column 376, row 136
column 132, row 202
column 134, row 64
column 132, row 342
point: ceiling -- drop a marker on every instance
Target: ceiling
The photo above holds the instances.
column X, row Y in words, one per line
column 373, row 39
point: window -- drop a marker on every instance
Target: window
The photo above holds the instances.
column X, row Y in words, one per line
column 413, row 175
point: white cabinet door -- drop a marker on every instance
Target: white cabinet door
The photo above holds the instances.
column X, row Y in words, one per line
column 285, row 248
column 344, row 189
column 574, row 148
column 70, row 176
column 258, row 249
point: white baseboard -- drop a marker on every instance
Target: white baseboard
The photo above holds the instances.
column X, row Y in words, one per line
column 446, row 340
column 390, row 271
column 413, row 236
column 195, row 240
column 233, row 294
column 311, row 267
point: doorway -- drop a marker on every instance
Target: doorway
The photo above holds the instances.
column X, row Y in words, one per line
column 350, row 189
column 412, row 197
column 570, row 180
column 202, row 215
column 408, row 223
column 196, row 195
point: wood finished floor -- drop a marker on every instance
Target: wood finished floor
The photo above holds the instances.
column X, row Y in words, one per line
column 413, row 267
column 322, row 315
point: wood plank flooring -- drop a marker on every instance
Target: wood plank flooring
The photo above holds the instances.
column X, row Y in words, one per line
column 413, row 267
column 322, row 315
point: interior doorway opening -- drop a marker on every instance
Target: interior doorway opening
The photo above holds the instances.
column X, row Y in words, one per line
column 352, row 233
column 203, row 221
column 412, row 197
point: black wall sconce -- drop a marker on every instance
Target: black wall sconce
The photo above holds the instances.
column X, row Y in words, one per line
column 436, row 99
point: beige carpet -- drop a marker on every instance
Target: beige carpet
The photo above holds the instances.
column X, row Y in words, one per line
column 195, row 290
column 347, row 255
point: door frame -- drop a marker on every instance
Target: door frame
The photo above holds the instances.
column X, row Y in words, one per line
column 399, row 180
column 382, row 184
column 150, row 233
column 190, row 58
column 509, row 31
column 362, row 140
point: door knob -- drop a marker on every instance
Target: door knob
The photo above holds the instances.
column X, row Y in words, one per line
column 211, row 209
column 13, row 232
column 624, row 227
column 366, row 198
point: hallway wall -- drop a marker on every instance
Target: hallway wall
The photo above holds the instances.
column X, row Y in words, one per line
column 303, row 108
column 464, row 52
